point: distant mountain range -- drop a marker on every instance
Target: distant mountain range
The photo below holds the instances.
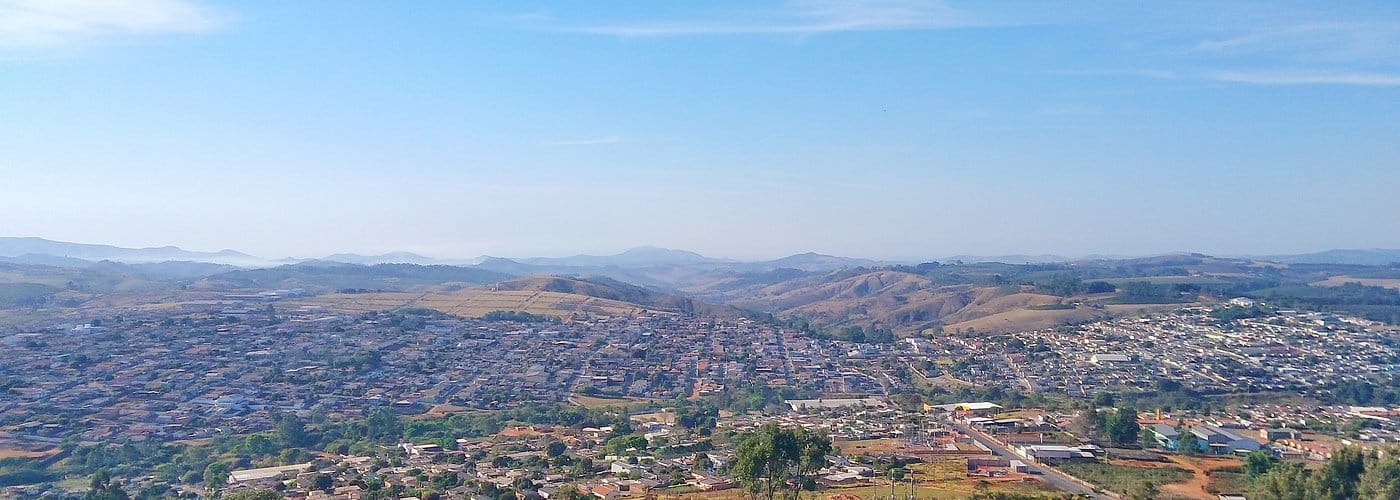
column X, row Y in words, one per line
column 1364, row 257
column 637, row 257
column 39, row 248
column 32, row 250
column 39, row 251
column 982, row 293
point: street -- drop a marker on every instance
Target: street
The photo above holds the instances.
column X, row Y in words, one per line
column 1052, row 476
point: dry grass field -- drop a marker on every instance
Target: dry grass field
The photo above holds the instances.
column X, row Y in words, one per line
column 923, row 490
column 1342, row 280
column 868, row 446
column 9, row 453
column 667, row 417
column 591, row 402
column 476, row 302
column 1028, row 319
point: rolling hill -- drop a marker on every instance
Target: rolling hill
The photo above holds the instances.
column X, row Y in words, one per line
column 899, row 300
column 326, row 276
column 544, row 295
column 14, row 247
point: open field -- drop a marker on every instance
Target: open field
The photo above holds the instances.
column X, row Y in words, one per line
column 443, row 410
column 869, row 446
column 667, row 417
column 1171, row 280
column 1179, row 477
column 924, row 490
column 10, row 453
column 592, row 402
column 1342, row 280
column 1124, row 476
column 1199, row 484
column 1028, row 319
column 476, row 302
column 1226, row 482
column 1136, row 309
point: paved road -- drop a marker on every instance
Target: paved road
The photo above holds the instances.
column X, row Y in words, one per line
column 1051, row 476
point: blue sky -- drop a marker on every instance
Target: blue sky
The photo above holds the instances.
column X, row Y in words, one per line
column 890, row 129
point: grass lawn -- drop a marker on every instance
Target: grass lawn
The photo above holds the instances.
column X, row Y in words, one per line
column 1122, row 478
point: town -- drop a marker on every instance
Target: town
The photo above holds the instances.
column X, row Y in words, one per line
column 660, row 398
column 1286, row 351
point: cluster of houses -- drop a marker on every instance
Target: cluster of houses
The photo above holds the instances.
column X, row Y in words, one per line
column 224, row 364
column 1284, row 351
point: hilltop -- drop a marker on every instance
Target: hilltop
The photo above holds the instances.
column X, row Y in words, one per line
column 556, row 296
column 820, row 291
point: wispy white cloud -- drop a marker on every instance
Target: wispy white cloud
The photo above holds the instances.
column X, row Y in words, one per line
column 591, row 141
column 1338, row 41
column 806, row 17
column 1308, row 78
column 40, row 24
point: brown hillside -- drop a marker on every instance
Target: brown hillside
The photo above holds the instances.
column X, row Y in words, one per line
column 545, row 295
column 605, row 288
column 897, row 300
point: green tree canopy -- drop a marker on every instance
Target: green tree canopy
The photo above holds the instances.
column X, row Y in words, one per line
column 771, row 460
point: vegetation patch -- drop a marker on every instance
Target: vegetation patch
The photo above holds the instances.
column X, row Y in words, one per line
column 1125, row 479
column 24, row 294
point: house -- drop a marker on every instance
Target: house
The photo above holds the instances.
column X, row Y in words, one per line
column 840, row 478
column 266, row 474
column 633, row 471
column 1224, row 441
column 1165, row 435
column 1052, row 454
column 1107, row 358
column 979, row 408
column 713, row 483
column 1281, row 433
column 1209, row 439
column 606, row 491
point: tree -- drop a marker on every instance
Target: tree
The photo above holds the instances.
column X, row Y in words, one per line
column 323, row 482
column 702, row 462
column 620, row 444
column 1285, row 481
column 292, row 431
column 254, row 495
column 215, row 475
column 1146, row 440
column 381, row 424
column 102, row 488
column 1337, row 480
column 1381, row 481
column 772, row 460
column 1258, row 463
column 555, row 448
column 1123, row 426
column 259, row 445
column 1187, row 443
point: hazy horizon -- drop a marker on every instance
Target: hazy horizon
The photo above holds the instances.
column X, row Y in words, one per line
column 893, row 129
column 611, row 252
